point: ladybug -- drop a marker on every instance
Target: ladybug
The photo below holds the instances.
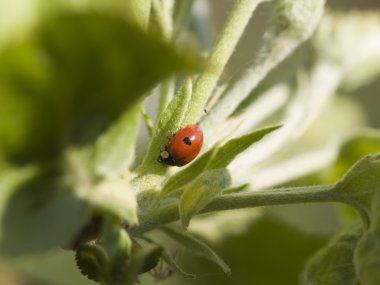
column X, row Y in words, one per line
column 183, row 147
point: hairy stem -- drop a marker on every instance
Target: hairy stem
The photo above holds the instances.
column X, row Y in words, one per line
column 279, row 196
column 219, row 56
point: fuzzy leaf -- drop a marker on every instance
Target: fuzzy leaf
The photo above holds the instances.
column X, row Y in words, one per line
column 236, row 189
column 123, row 264
column 287, row 29
column 224, row 155
column 360, row 188
column 181, row 178
column 334, row 263
column 367, row 254
column 138, row 10
column 173, row 263
column 34, row 214
column 168, row 123
column 363, row 143
column 360, row 185
column 201, row 192
column 13, row 178
column 169, row 259
column 367, row 258
column 115, row 240
column 69, row 88
column 196, row 246
column 109, row 259
column 234, row 147
column 90, row 260
column 116, row 197
column 114, row 149
column 173, row 115
column 149, row 257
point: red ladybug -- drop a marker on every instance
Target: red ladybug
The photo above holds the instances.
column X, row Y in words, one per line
column 183, row 147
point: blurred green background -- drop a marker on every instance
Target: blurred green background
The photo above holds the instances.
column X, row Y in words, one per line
column 263, row 247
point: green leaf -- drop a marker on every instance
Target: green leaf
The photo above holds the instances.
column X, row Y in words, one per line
column 118, row 59
column 13, row 178
column 134, row 10
column 108, row 260
column 91, row 259
column 185, row 176
column 168, row 123
column 334, row 263
column 367, row 258
column 138, row 10
column 363, row 143
column 26, row 104
column 236, row 189
column 201, row 192
column 173, row 264
column 144, row 258
column 55, row 267
column 34, row 214
column 360, row 189
column 196, row 246
column 169, row 259
column 360, row 185
column 115, row 240
column 114, row 149
column 234, row 147
column 367, row 254
column 148, row 257
column 171, row 119
column 263, row 250
column 69, row 88
column 115, row 197
column 16, row 18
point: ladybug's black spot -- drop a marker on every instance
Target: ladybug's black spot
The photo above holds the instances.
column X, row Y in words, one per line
column 187, row 140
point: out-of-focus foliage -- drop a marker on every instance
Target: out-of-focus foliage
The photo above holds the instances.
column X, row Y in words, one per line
column 67, row 75
column 74, row 76
column 334, row 263
column 68, row 86
column 266, row 243
column 365, row 142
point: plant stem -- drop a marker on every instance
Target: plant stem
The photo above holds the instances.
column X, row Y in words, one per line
column 272, row 197
column 219, row 56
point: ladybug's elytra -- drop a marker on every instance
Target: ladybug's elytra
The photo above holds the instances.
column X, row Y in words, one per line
column 183, row 147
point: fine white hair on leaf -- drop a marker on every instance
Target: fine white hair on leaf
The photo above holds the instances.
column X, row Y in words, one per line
column 266, row 105
column 293, row 168
column 292, row 23
column 312, row 96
